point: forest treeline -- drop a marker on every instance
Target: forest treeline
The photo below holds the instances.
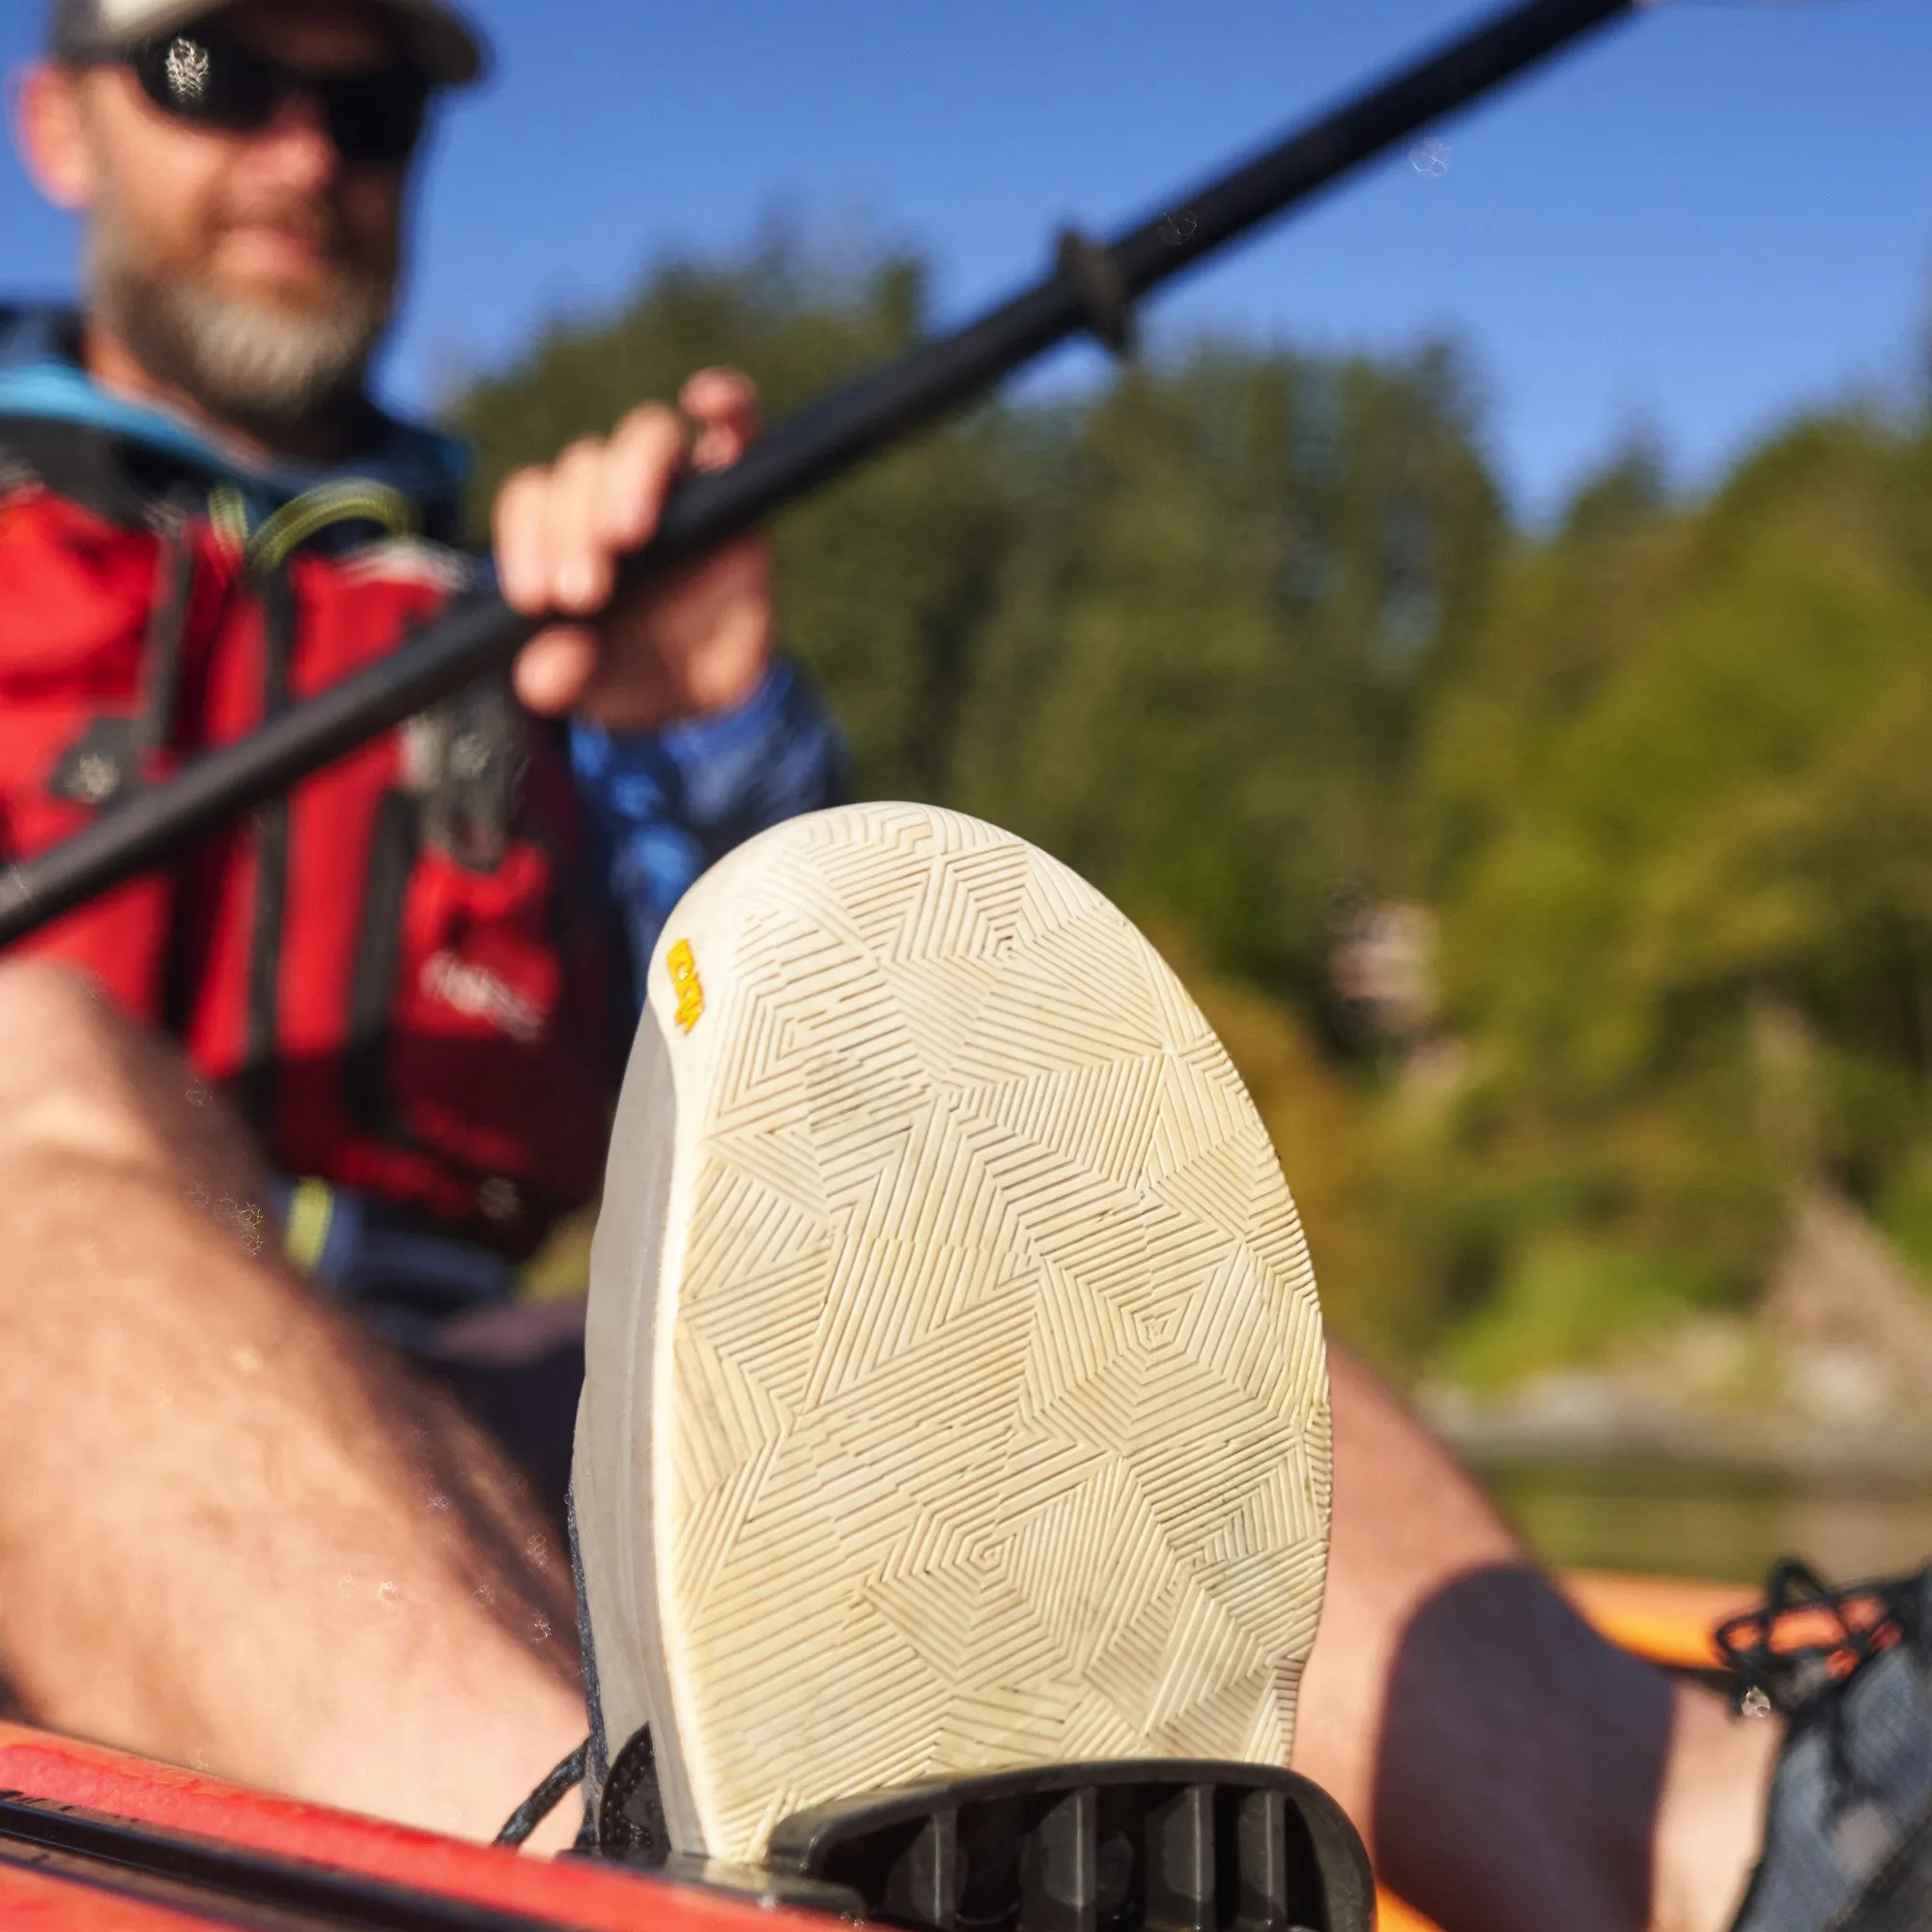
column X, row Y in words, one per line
column 1247, row 639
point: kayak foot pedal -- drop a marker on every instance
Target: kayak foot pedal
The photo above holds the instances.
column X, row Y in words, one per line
column 1151, row 1845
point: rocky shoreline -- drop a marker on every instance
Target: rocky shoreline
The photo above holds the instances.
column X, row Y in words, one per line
column 1829, row 1380
column 1597, row 1418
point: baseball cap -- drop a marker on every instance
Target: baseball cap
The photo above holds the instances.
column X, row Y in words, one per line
column 448, row 46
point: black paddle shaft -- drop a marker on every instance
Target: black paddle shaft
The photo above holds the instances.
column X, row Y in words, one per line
column 1092, row 288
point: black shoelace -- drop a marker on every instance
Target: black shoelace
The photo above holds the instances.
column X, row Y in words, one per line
column 545, row 1798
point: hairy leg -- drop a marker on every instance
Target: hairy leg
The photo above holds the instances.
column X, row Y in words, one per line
column 235, row 1532
column 1509, row 1768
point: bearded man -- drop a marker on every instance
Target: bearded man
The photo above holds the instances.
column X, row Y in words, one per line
column 278, row 1127
column 402, row 993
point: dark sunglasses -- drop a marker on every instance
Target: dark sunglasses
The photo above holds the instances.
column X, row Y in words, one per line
column 373, row 117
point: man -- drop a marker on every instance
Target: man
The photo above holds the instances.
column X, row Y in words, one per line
column 395, row 974
column 237, row 1529
column 229, row 321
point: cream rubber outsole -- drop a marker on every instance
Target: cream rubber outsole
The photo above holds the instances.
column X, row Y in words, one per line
column 956, row 1396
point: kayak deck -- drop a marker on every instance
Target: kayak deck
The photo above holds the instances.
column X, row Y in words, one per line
column 97, row 1838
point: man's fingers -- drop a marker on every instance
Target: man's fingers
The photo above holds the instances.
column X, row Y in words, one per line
column 544, row 558
column 518, row 521
column 578, row 560
column 714, row 393
column 646, row 453
column 724, row 404
column 559, row 529
column 554, row 668
column 561, row 532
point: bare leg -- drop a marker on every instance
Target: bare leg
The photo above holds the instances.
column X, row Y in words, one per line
column 1509, row 1768
column 235, row 1532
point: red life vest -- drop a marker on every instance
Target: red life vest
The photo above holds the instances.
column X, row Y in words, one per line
column 399, row 969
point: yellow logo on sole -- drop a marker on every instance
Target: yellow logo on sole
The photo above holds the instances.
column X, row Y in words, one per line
column 686, row 984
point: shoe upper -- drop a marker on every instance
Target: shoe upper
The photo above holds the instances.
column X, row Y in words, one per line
column 1848, row 1834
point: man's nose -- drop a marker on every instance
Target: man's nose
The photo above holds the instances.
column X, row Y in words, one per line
column 299, row 141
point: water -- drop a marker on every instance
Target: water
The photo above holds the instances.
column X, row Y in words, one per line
column 1689, row 1520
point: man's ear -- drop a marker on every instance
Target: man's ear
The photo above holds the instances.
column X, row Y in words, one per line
column 51, row 133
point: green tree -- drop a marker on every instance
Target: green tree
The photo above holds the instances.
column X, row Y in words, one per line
column 1240, row 582
column 1677, row 811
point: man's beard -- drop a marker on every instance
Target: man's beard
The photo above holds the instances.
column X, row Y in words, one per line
column 273, row 369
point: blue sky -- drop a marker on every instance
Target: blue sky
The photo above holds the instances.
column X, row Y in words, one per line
column 1696, row 223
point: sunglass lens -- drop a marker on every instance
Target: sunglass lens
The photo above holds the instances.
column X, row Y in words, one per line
column 377, row 118
column 220, row 87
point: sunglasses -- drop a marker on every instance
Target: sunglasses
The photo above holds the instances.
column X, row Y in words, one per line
column 374, row 117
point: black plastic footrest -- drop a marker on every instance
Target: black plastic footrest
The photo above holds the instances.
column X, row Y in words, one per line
column 1145, row 1846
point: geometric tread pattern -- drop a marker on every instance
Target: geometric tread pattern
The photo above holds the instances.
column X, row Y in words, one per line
column 993, row 1419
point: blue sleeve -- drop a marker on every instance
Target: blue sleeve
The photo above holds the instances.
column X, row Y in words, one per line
column 663, row 805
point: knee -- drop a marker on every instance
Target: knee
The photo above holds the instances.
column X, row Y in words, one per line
column 72, row 1066
column 51, row 1013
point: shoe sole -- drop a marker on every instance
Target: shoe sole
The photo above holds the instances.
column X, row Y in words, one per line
column 956, row 1396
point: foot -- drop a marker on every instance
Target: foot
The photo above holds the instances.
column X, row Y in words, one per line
column 956, row 1396
column 1847, row 1834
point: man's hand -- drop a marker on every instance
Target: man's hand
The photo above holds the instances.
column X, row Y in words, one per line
column 698, row 640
